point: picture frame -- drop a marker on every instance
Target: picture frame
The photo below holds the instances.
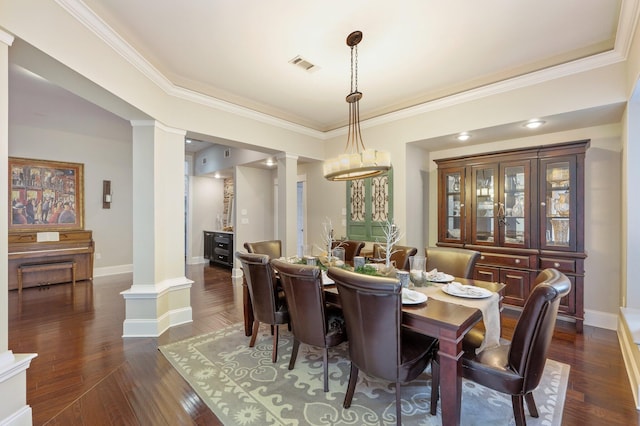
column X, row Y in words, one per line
column 45, row 195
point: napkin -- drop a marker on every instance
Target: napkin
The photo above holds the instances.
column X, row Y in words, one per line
column 411, row 295
column 457, row 288
column 435, row 275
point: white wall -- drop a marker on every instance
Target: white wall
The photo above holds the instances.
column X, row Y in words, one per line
column 254, row 205
column 206, row 205
column 325, row 201
column 104, row 158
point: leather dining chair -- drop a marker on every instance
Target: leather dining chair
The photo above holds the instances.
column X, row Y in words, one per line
column 399, row 255
column 272, row 248
column 313, row 322
column 351, row 249
column 515, row 367
column 378, row 344
column 453, row 261
column 268, row 304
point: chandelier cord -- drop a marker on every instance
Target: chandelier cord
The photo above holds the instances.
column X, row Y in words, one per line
column 354, row 136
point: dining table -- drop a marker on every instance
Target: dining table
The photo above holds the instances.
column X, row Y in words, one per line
column 443, row 316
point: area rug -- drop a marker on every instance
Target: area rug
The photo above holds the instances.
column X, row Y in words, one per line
column 243, row 387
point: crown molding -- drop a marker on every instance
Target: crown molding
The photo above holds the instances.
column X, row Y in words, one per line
column 628, row 19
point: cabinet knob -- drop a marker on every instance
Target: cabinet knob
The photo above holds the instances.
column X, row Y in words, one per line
column 543, row 204
column 556, row 264
column 462, row 205
column 482, row 257
column 517, row 260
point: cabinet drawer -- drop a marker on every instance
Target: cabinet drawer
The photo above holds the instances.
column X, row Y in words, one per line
column 562, row 265
column 504, row 260
column 222, row 239
column 222, row 258
column 222, row 252
column 222, row 245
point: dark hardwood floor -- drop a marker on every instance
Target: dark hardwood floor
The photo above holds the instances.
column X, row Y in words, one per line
column 87, row 374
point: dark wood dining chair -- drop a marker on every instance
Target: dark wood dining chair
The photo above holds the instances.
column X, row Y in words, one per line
column 515, row 367
column 268, row 304
column 313, row 322
column 378, row 344
column 351, row 249
column 399, row 255
column 272, row 248
column 453, row 261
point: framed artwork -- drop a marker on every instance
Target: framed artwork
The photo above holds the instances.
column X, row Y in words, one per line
column 45, row 195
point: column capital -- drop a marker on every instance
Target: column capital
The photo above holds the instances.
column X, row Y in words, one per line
column 286, row 155
column 6, row 38
column 155, row 123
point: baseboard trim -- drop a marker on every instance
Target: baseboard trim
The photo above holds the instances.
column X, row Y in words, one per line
column 630, row 351
column 112, row 270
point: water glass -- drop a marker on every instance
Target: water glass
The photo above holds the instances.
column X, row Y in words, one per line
column 358, row 261
column 417, row 269
column 403, row 276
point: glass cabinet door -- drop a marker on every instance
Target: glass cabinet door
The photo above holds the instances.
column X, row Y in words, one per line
column 484, row 187
column 452, row 205
column 513, row 210
column 558, row 201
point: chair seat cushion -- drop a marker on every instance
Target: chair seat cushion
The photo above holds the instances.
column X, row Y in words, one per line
column 336, row 329
column 490, row 368
column 416, row 352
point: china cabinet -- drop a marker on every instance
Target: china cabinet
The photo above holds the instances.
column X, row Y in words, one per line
column 524, row 211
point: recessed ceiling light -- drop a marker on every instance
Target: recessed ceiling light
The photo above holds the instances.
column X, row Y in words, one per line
column 217, row 175
column 187, row 140
column 270, row 162
column 464, row 136
column 533, row 124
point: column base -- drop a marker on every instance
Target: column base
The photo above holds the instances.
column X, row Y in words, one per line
column 153, row 309
column 14, row 410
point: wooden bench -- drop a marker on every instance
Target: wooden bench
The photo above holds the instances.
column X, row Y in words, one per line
column 40, row 267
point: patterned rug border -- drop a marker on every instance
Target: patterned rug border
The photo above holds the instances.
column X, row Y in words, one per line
column 261, row 393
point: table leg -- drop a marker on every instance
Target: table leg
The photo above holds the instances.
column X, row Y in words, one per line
column 450, row 379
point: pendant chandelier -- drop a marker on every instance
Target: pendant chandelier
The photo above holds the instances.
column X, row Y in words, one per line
column 357, row 162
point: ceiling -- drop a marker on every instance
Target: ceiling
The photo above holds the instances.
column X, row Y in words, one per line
column 240, row 51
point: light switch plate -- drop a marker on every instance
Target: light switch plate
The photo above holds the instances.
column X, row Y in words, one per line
column 243, row 212
column 245, row 221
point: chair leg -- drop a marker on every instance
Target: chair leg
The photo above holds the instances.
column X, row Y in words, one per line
column 275, row 344
column 398, row 405
column 531, row 404
column 435, row 386
column 518, row 410
column 294, row 353
column 325, row 361
column 351, row 388
column 254, row 333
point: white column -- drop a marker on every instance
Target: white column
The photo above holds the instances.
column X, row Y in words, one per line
column 160, row 295
column 13, row 368
column 287, row 203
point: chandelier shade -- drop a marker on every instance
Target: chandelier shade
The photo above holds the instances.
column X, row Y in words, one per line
column 357, row 162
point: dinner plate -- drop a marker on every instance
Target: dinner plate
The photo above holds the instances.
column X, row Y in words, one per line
column 467, row 291
column 440, row 277
column 410, row 297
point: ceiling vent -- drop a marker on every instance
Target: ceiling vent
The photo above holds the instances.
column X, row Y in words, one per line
column 304, row 64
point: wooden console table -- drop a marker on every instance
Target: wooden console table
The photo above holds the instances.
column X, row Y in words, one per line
column 49, row 262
